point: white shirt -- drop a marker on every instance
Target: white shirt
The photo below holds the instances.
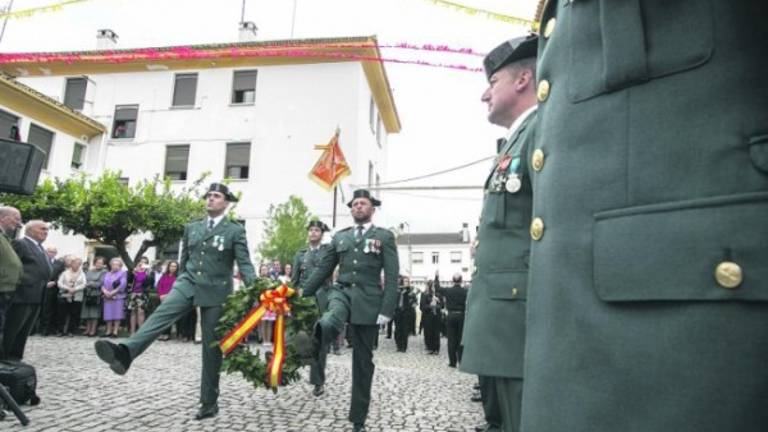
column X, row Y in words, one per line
column 366, row 227
column 518, row 121
column 216, row 220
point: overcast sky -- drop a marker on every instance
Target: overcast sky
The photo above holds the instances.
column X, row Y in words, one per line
column 444, row 122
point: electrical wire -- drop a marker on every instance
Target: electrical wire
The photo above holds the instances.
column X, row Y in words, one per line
column 436, row 173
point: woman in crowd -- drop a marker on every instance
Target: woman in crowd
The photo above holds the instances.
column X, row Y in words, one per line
column 137, row 302
column 287, row 272
column 431, row 306
column 94, row 280
column 113, row 290
column 164, row 288
column 71, row 284
column 268, row 321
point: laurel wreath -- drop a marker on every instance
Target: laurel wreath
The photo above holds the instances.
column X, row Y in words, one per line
column 246, row 360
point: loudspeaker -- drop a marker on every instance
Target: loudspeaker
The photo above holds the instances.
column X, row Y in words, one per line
column 20, row 166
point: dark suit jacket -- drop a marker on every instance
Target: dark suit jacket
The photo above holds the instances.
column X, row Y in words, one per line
column 36, row 272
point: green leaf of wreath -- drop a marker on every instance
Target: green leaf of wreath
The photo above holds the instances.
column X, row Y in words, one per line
column 250, row 364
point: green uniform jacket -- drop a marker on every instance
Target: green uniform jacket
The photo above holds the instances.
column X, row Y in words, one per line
column 652, row 199
column 304, row 263
column 360, row 265
column 10, row 266
column 494, row 322
column 207, row 261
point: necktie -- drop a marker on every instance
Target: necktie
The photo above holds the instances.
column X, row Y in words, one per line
column 359, row 234
column 210, row 224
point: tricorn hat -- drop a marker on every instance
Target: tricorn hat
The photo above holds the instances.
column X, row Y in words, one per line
column 318, row 224
column 222, row 189
column 510, row 51
column 364, row 193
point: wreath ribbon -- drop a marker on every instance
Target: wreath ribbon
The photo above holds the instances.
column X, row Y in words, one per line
column 275, row 301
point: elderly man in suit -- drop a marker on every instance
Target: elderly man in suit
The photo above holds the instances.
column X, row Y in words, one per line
column 12, row 269
column 362, row 252
column 210, row 248
column 25, row 305
column 649, row 259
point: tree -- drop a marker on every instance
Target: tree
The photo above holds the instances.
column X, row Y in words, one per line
column 285, row 230
column 107, row 210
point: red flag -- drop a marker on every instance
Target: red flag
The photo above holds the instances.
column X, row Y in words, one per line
column 331, row 167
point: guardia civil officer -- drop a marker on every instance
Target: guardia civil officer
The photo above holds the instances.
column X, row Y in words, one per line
column 210, row 248
column 358, row 297
column 494, row 326
column 404, row 312
column 304, row 263
column 649, row 304
column 455, row 299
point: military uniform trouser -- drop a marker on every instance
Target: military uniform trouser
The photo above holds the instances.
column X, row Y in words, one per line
column 454, row 323
column 363, row 338
column 402, row 329
column 174, row 307
column 317, row 365
column 502, row 399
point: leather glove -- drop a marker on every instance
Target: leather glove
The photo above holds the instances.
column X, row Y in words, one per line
column 382, row 320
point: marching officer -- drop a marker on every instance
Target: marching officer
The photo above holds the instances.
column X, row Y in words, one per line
column 649, row 252
column 361, row 252
column 404, row 312
column 210, row 248
column 455, row 299
column 494, row 326
column 304, row 263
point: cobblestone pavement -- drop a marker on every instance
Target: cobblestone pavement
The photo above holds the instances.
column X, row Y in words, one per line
column 412, row 392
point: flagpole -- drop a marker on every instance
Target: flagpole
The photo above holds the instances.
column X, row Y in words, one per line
column 335, row 192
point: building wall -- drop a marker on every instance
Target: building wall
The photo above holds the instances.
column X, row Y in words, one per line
column 296, row 107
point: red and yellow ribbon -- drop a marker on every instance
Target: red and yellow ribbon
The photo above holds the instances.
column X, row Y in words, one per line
column 275, row 301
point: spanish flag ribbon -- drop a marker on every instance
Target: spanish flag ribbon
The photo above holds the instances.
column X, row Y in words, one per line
column 275, row 301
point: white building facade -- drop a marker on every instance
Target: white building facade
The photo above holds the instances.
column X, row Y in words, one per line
column 240, row 111
column 424, row 254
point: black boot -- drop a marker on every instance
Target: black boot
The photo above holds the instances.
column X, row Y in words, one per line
column 115, row 355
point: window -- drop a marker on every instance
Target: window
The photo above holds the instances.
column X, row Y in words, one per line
column 184, row 90
column 378, row 130
column 417, row 257
column 8, row 122
column 455, row 257
column 244, row 87
column 370, row 174
column 78, row 156
column 237, row 160
column 372, row 115
column 435, row 257
column 125, row 181
column 42, row 138
column 125, row 121
column 74, row 93
column 171, row 252
column 378, row 183
column 176, row 161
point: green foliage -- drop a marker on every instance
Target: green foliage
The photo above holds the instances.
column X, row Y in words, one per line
column 250, row 364
column 107, row 210
column 285, row 230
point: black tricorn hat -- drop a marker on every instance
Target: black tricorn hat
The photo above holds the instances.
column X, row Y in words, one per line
column 510, row 51
column 364, row 193
column 318, row 224
column 222, row 189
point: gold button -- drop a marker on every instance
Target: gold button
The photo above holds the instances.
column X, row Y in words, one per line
column 549, row 28
column 514, row 292
column 355, row 250
column 542, row 92
column 537, row 161
column 537, row 229
column 198, row 273
column 728, row 274
column 354, row 261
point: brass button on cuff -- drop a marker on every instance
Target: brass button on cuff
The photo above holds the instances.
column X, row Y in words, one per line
column 549, row 28
column 728, row 274
column 514, row 292
column 537, row 160
column 542, row 91
column 537, row 229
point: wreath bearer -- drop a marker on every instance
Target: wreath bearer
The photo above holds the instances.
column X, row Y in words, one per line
column 210, row 247
column 304, row 263
column 361, row 251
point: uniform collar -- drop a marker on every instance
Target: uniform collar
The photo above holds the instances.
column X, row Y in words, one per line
column 216, row 220
column 366, row 227
column 519, row 121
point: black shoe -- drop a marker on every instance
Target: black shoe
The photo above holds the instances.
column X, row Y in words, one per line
column 318, row 390
column 115, row 355
column 207, row 411
column 476, row 397
column 483, row 427
column 357, row 427
column 451, row 365
column 476, row 387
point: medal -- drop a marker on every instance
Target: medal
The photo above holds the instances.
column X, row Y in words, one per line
column 504, row 163
column 367, row 248
column 513, row 184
